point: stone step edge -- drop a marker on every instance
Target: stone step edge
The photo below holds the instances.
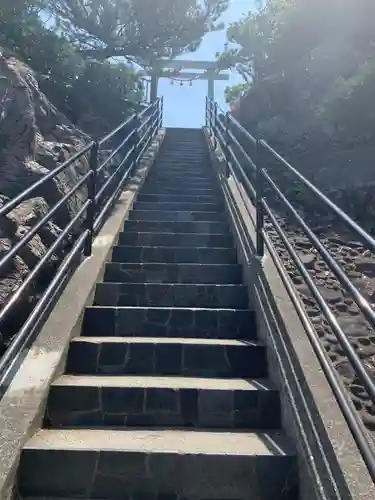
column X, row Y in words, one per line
column 134, row 210
column 213, row 198
column 176, row 285
column 158, row 264
column 165, row 441
column 144, row 222
column 177, row 247
column 168, row 176
column 146, row 189
column 198, row 204
column 174, row 308
column 128, row 223
column 168, row 233
column 165, row 382
column 170, row 340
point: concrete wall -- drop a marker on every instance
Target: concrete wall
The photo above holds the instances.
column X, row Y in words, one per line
column 22, row 406
column 330, row 466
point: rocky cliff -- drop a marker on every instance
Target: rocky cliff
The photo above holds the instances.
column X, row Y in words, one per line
column 34, row 138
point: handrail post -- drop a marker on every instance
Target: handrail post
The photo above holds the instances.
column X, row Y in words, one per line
column 135, row 143
column 259, row 192
column 227, row 142
column 161, row 110
column 215, row 116
column 206, row 112
column 158, row 126
column 154, row 127
column 210, row 116
column 91, row 192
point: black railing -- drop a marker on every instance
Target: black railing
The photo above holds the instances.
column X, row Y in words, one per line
column 247, row 159
column 103, row 184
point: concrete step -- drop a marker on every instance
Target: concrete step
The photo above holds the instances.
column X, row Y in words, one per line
column 172, row 171
column 193, row 171
column 197, row 227
column 190, row 198
column 169, row 322
column 172, row 273
column 60, row 498
column 171, row 295
column 173, row 174
column 193, row 146
column 180, row 216
column 200, row 163
column 188, row 153
column 166, row 356
column 188, row 156
column 184, row 190
column 141, row 401
column 112, row 464
column 168, row 178
column 179, row 182
column 188, row 149
column 178, row 206
column 200, row 166
column 175, row 239
column 178, row 255
column 183, row 160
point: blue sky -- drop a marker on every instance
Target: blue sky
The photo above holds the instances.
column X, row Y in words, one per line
column 184, row 106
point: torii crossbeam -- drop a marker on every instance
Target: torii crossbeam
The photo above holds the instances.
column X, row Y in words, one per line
column 169, row 69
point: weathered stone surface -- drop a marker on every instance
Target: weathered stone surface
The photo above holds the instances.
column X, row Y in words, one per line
column 366, row 266
column 308, row 260
column 143, row 401
column 359, row 265
column 34, row 138
column 169, row 322
column 155, row 356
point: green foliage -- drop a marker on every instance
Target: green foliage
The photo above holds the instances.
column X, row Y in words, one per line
column 349, row 104
column 72, row 83
column 112, row 87
column 236, row 91
column 141, row 30
column 256, row 34
column 319, row 57
column 83, row 31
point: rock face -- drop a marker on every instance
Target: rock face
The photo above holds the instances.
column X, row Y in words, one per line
column 34, row 138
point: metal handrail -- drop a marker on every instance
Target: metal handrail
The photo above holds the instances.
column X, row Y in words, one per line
column 255, row 181
column 87, row 221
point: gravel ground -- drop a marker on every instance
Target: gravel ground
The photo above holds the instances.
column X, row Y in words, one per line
column 359, row 265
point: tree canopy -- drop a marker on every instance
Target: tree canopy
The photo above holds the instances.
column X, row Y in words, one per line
column 73, row 83
column 283, row 33
column 306, row 61
column 139, row 30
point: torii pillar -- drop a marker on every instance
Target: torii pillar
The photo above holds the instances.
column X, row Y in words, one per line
column 154, row 87
column 211, row 87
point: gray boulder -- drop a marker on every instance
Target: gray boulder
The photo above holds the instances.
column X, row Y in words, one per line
column 34, row 138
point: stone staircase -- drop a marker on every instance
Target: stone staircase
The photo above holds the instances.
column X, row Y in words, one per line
column 165, row 395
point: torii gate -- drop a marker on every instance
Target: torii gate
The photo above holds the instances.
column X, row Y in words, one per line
column 173, row 69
